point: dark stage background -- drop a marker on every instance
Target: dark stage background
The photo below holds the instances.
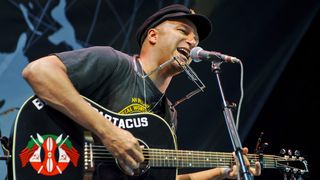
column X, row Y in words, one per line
column 277, row 41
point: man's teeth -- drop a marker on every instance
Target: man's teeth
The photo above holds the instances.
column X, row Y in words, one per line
column 183, row 52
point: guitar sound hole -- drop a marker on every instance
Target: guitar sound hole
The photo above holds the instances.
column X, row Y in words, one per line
column 144, row 166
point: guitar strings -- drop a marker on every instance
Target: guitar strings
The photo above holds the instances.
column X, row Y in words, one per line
column 154, row 163
column 185, row 152
column 100, row 154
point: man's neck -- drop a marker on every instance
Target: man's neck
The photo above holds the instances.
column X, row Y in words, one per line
column 161, row 78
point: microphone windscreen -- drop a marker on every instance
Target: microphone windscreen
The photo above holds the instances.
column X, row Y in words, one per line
column 194, row 54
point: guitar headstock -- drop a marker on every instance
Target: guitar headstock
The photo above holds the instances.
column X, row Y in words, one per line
column 292, row 163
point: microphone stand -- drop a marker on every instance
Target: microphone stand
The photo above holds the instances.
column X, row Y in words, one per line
column 230, row 124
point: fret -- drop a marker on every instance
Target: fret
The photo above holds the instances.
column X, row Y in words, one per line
column 159, row 158
column 155, row 158
column 176, row 161
column 166, row 159
column 190, row 163
column 207, row 160
column 217, row 160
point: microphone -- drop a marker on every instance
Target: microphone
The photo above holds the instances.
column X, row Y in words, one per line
column 197, row 54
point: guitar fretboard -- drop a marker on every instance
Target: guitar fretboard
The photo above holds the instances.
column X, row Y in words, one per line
column 187, row 159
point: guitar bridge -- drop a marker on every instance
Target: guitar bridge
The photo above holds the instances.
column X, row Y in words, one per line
column 88, row 156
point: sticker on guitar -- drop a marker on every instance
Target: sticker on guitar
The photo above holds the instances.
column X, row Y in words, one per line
column 48, row 165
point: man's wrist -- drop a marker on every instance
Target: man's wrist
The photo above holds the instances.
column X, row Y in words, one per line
column 225, row 172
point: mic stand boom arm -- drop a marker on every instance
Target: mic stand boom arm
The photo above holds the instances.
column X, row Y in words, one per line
column 231, row 126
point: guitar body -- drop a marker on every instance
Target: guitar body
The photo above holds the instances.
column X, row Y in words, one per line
column 48, row 145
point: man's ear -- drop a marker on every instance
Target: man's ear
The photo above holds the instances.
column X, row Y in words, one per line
column 152, row 35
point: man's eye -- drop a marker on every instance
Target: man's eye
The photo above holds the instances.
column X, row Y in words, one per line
column 183, row 31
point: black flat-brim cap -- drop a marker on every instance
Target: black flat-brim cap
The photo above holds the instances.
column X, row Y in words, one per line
column 175, row 11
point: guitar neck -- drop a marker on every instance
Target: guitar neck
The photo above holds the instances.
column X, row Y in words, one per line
column 200, row 159
column 189, row 159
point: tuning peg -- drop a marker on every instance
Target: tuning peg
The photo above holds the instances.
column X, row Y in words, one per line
column 287, row 169
column 289, row 152
column 297, row 153
column 264, row 145
column 282, row 151
column 260, row 146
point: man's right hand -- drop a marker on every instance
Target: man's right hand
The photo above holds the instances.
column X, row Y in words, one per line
column 125, row 148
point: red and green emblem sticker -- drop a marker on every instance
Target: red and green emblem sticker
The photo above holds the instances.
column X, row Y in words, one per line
column 41, row 152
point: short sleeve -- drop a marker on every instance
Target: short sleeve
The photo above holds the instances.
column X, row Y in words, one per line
column 88, row 68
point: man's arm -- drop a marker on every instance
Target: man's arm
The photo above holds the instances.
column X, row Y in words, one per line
column 49, row 80
column 202, row 175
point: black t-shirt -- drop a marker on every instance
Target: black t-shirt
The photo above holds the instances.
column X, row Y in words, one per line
column 113, row 80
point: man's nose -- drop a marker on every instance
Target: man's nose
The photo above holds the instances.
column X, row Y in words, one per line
column 192, row 41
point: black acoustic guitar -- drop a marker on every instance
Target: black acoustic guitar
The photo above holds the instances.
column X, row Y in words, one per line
column 48, row 145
